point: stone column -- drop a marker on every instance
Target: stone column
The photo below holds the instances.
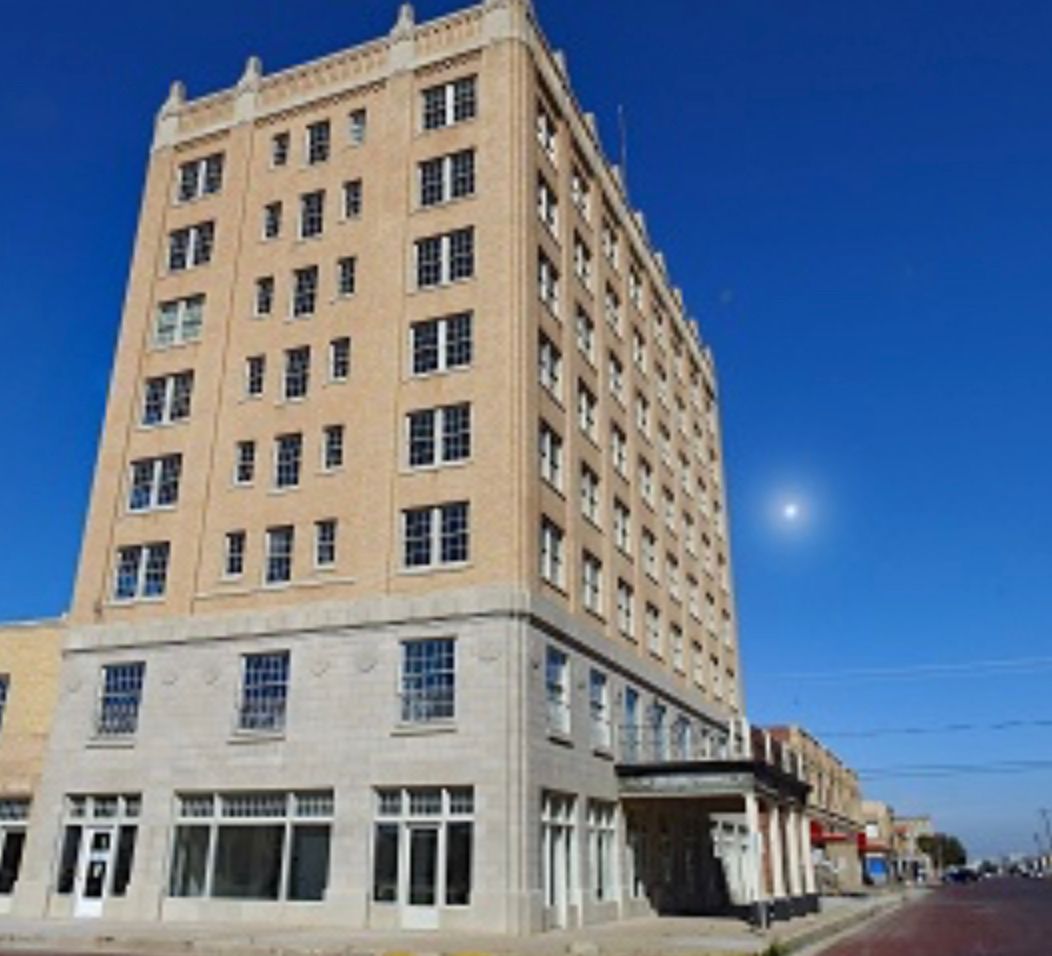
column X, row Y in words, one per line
column 753, row 869
column 810, row 886
column 796, row 882
column 775, row 836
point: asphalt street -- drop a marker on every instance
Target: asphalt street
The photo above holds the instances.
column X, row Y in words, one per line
column 999, row 917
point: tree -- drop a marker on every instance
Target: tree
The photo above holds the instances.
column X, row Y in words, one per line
column 944, row 849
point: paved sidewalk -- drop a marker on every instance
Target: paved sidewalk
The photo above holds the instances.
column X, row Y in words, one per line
column 679, row 936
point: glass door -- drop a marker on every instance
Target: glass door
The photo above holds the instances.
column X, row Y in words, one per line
column 93, row 879
column 421, row 896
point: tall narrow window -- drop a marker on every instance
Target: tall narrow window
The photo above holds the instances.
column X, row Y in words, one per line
column 332, row 447
column 591, row 583
column 234, row 554
column 119, row 699
column 245, row 463
column 280, row 542
column 312, row 214
column 287, row 459
column 557, row 690
column 264, row 295
column 305, row 291
column 340, row 359
column 297, row 372
column 551, row 553
column 357, row 126
column 352, row 199
column 325, row 543
column 319, row 142
column 279, row 149
column 272, row 220
column 346, row 276
column 551, row 454
column 264, row 691
column 599, row 709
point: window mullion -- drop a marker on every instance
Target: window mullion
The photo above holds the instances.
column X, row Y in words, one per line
column 436, row 535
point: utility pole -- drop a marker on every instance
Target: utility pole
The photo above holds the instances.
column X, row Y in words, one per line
column 1044, row 811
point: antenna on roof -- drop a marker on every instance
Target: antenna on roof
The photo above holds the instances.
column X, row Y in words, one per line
column 622, row 127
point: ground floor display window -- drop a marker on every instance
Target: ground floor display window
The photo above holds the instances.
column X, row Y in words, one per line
column 14, row 812
column 263, row 845
column 98, row 849
column 602, row 850
column 558, row 853
column 423, row 847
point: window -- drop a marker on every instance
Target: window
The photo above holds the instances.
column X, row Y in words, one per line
column 616, row 376
column 630, row 725
column 142, row 571
column 287, row 458
column 254, row 845
column 357, row 126
column 191, row 246
column 428, row 680
column 272, row 220
column 592, row 583
column 255, row 375
column 5, row 687
column 626, row 609
column 653, row 630
column 279, row 149
column 439, row 436
column 622, row 527
column 547, row 133
column 659, row 730
column 352, row 199
column 612, row 309
column 639, row 350
column 697, row 657
column 155, row 482
column 450, row 103
column 635, row 286
column 325, row 543
column 619, row 450
column 547, row 206
column 646, row 481
column 717, row 676
column 264, row 295
column 590, row 495
column 264, row 692
column 678, row 657
column 580, row 192
column 446, row 178
column 437, row 535
column 642, row 414
column 609, row 241
column 585, row 335
column 440, row 345
column 234, row 554
column 297, row 372
column 650, row 555
column 446, row 258
column 312, row 214
column 694, row 597
column 332, row 447
column 340, row 359
column 319, row 142
column 602, row 849
column 587, row 410
column 670, row 509
column 119, row 699
column 599, row 709
column 548, row 283
column 346, row 269
column 557, row 690
column 551, row 553
column 551, row 455
column 280, row 542
column 118, row 813
column 245, row 463
column 200, row 177
column 179, row 321
column 423, row 846
column 305, row 291
column 550, row 362
column 582, row 261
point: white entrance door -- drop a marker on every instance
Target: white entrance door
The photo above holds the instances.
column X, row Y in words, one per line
column 420, row 909
column 557, row 873
column 93, row 877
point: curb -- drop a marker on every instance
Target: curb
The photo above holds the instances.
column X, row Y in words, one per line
column 841, row 927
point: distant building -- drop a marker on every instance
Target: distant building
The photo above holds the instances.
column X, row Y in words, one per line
column 912, row 864
column 878, row 843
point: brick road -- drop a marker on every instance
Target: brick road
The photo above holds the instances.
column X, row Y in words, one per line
column 1001, row 917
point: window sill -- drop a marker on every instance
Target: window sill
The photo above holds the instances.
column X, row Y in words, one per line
column 560, row 737
column 603, row 751
column 256, row 736
column 418, row 289
column 444, row 203
column 424, row 729
column 437, row 373
column 435, row 568
column 135, row 601
column 116, row 742
column 438, row 466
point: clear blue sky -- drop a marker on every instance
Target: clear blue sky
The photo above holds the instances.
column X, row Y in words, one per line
column 856, row 200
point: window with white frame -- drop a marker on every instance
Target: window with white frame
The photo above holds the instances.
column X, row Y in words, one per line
column 264, row 298
column 547, row 134
column 340, row 359
column 635, row 286
column 272, row 220
column 551, row 553
column 630, row 726
column 710, row 613
column 200, row 177
column 5, row 689
column 646, row 481
column 609, row 242
column 191, row 246
column 245, row 462
column 626, row 610
column 599, row 709
column 548, row 283
column 319, row 142
column 304, row 291
column 665, row 443
column 280, row 542
column 279, row 149
column 449, row 103
column 670, row 508
column 445, row 178
column 445, row 258
column 548, row 206
column 693, row 597
column 658, row 730
column 581, row 193
column 690, row 539
column 616, row 377
column 653, row 631
column 612, row 309
column 234, row 543
column 639, row 351
column 550, row 367
column 352, row 199
column 619, row 450
column 587, row 410
column 592, row 583
column 682, row 738
column 678, row 652
column 697, row 663
column 288, row 457
column 424, row 824
column 585, row 334
column 166, row 399
column 252, row 845
column 650, row 555
column 622, row 522
column 557, row 690
column 155, row 482
column 255, row 375
column 441, row 345
column 297, row 372
column 312, row 214
column 333, row 447
column 643, row 414
column 263, row 701
column 142, row 571
column 438, row 436
column 590, row 495
column 325, row 542
column 179, row 321
column 717, row 676
column 436, row 535
column 428, row 679
column 550, row 446
column 582, row 261
column 120, row 696
column 602, row 850
column 559, row 850
column 357, row 126
column 672, row 563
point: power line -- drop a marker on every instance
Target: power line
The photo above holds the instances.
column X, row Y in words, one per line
column 1007, row 666
column 932, row 729
column 956, row 770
